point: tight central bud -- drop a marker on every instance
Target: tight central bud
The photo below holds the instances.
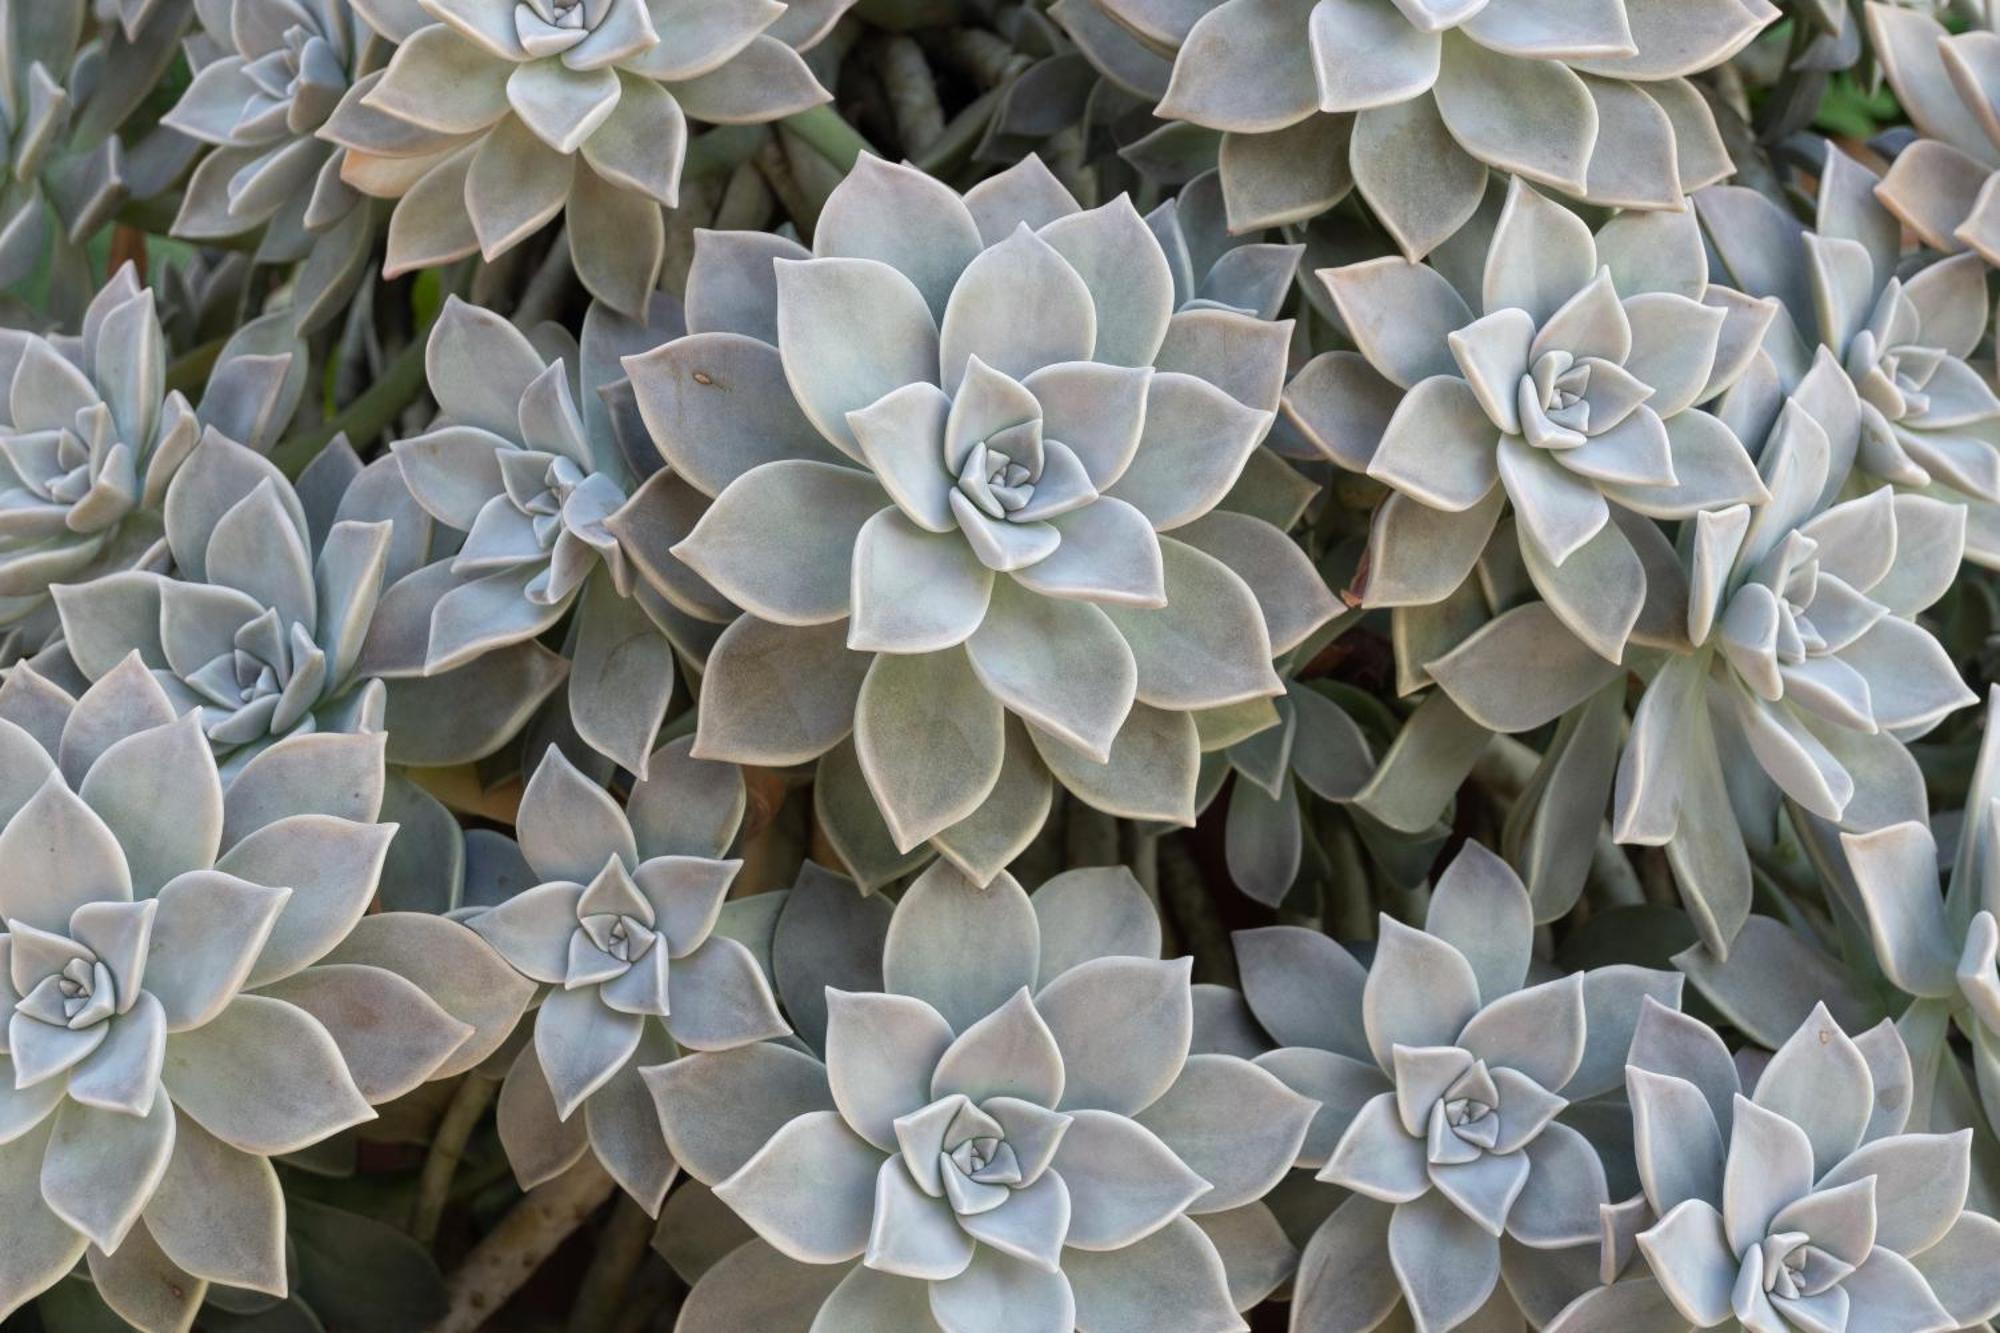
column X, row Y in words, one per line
column 1000, row 472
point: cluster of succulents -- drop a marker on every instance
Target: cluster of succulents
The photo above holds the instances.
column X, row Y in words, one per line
column 999, row 666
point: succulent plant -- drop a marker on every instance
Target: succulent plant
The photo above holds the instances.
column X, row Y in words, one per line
column 546, row 500
column 1804, row 670
column 1215, row 265
column 1443, row 1080
column 62, row 98
column 261, row 624
column 1015, row 1124
column 1315, row 746
column 984, row 495
column 616, row 919
column 1939, row 950
column 491, row 118
column 90, row 438
column 1941, row 184
column 177, row 1011
column 91, row 442
column 1804, row 1205
column 269, row 76
column 1572, row 398
column 1412, row 101
column 1918, row 414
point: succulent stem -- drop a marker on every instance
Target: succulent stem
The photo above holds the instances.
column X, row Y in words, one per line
column 468, row 1103
column 509, row 1254
column 621, row 1247
column 830, row 136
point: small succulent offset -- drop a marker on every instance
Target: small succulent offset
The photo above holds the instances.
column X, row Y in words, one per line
column 953, row 452
column 89, row 439
column 524, row 462
column 494, row 116
column 617, row 920
column 1941, row 185
column 1572, row 398
column 269, row 74
column 261, row 624
column 1013, row 1131
column 1411, row 101
column 174, row 1019
column 1804, row 662
column 1442, row 1078
column 1802, row 1206
column 1918, row 414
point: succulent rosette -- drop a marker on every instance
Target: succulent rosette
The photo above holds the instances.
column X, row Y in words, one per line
column 616, row 917
column 1413, row 101
column 1446, row 1085
column 261, row 624
column 1940, row 950
column 268, row 77
column 493, row 116
column 966, row 461
column 179, row 1008
column 1802, row 1206
column 62, row 99
column 1804, row 671
column 1571, row 399
column 1013, row 1130
column 91, row 438
column 1918, row 415
column 1941, row 185
column 89, row 442
column 525, row 463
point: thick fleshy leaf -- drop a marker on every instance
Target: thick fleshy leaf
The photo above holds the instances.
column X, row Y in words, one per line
column 1820, row 1082
column 1420, row 992
column 1234, row 1124
column 805, row 582
column 1445, row 1264
column 1173, row 1276
column 263, row 1076
column 963, row 948
column 1008, row 1053
column 826, row 1223
column 1400, row 314
column 1124, row 1182
column 101, row 1167
column 881, row 1051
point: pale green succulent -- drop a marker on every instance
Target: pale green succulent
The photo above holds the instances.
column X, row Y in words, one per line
column 91, row 438
column 953, row 453
column 1798, row 1204
column 616, row 918
column 494, row 117
column 1903, row 334
column 1941, row 185
column 64, row 92
column 1802, row 672
column 1412, row 102
column 1567, row 389
column 180, row 1008
column 261, row 623
column 524, row 463
column 270, row 74
column 1012, row 1129
column 1446, row 1084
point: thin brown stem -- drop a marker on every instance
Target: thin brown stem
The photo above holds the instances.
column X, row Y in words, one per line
column 509, row 1254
